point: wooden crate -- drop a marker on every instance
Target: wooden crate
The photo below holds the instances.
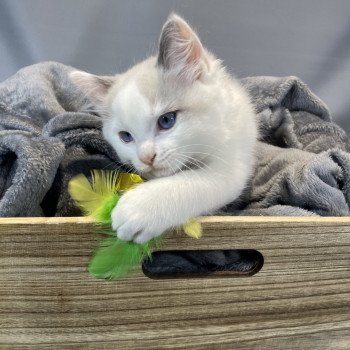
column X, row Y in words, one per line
column 299, row 300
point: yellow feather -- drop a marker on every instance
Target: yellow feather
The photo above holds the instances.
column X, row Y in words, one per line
column 84, row 194
column 193, row 228
column 128, row 181
column 104, row 182
column 90, row 197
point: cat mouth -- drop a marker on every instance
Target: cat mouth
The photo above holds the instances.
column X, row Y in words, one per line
column 167, row 171
column 155, row 171
column 159, row 171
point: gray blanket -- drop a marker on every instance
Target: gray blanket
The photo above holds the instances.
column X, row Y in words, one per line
column 48, row 135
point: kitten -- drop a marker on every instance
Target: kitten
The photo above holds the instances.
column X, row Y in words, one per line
column 184, row 123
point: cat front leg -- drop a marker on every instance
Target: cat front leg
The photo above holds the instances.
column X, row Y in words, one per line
column 161, row 204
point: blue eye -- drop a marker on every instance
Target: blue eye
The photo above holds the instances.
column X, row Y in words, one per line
column 125, row 136
column 167, row 120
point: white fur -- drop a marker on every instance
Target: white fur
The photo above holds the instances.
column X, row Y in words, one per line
column 215, row 127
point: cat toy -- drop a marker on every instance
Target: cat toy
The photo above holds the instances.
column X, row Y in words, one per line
column 114, row 258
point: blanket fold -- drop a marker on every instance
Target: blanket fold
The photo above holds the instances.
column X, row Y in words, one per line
column 47, row 136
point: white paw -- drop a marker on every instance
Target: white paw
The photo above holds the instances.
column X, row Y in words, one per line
column 136, row 217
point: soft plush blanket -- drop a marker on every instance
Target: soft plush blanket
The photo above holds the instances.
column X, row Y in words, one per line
column 47, row 136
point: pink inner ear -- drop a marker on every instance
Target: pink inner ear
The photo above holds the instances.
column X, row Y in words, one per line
column 183, row 52
column 193, row 61
column 192, row 50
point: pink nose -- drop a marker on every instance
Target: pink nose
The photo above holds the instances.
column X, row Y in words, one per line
column 149, row 159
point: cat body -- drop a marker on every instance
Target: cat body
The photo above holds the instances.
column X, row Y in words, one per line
column 183, row 123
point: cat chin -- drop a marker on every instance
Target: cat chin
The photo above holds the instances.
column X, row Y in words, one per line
column 162, row 173
column 157, row 173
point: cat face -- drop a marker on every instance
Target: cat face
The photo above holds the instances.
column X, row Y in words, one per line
column 164, row 114
column 160, row 125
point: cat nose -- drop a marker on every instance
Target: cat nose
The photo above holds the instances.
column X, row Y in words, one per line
column 148, row 159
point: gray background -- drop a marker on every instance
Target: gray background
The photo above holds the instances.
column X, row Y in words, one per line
column 306, row 38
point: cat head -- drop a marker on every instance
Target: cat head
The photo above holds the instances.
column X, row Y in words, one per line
column 165, row 113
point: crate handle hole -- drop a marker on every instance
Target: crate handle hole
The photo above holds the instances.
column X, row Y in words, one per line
column 203, row 263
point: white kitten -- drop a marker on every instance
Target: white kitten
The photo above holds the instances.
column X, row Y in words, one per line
column 182, row 121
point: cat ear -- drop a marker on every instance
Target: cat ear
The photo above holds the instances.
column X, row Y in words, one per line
column 95, row 87
column 180, row 51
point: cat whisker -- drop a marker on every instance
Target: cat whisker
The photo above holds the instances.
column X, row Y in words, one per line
column 196, row 162
column 165, row 155
column 115, row 166
column 208, row 155
column 217, row 154
column 196, row 166
column 183, row 164
column 129, row 168
column 201, row 165
column 174, row 171
column 188, row 170
column 202, row 145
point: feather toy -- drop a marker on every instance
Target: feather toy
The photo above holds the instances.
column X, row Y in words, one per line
column 114, row 258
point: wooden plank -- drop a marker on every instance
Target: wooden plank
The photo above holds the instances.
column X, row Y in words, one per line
column 299, row 300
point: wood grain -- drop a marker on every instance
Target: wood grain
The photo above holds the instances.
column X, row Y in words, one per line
column 299, row 300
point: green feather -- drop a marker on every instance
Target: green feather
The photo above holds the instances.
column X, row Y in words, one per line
column 115, row 258
column 104, row 212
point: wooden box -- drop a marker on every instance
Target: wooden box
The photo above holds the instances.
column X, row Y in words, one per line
column 300, row 299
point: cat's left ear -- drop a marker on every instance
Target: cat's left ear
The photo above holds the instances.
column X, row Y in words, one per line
column 180, row 51
column 95, row 87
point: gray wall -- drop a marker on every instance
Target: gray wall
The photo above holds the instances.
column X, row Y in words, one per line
column 307, row 38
